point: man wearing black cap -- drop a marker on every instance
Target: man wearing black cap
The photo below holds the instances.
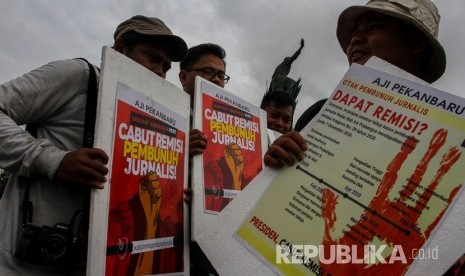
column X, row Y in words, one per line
column 402, row 32
column 53, row 161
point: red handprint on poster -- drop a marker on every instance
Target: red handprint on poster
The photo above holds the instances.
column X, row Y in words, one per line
column 392, row 221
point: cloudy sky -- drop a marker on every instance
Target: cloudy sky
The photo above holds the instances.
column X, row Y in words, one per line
column 256, row 35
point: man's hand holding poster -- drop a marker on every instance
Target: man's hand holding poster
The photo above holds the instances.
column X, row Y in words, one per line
column 385, row 161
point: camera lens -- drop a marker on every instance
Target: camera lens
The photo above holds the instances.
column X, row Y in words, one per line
column 53, row 246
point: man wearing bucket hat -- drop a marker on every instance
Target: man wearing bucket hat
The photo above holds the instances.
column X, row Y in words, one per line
column 402, row 32
column 51, row 158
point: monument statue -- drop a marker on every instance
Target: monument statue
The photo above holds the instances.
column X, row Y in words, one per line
column 280, row 82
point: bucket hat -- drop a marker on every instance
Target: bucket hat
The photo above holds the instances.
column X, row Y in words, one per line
column 423, row 14
column 152, row 26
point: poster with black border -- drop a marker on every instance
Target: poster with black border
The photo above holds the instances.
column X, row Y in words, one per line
column 139, row 220
column 237, row 139
column 384, row 165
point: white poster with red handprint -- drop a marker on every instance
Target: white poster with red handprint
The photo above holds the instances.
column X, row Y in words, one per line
column 385, row 160
column 146, row 212
column 236, row 142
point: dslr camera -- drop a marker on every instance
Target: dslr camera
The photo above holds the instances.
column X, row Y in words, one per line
column 56, row 246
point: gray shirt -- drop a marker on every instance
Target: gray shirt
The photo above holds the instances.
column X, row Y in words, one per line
column 53, row 97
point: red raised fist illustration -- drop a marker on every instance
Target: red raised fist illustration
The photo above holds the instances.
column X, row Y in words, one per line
column 150, row 197
column 235, row 160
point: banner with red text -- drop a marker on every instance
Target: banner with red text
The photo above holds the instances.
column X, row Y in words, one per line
column 384, row 162
column 145, row 222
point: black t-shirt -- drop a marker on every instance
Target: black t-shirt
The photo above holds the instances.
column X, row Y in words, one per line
column 308, row 115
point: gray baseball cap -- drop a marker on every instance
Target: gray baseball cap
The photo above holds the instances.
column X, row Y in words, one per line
column 152, row 26
column 423, row 14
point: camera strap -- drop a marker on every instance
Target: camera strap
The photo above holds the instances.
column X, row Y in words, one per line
column 88, row 142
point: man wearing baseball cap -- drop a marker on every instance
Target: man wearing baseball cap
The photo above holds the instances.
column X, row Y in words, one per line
column 51, row 172
column 148, row 41
column 402, row 32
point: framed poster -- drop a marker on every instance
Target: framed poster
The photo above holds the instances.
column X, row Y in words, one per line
column 384, row 162
column 237, row 139
column 138, row 222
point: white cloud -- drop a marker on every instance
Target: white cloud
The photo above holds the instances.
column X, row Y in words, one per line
column 256, row 35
